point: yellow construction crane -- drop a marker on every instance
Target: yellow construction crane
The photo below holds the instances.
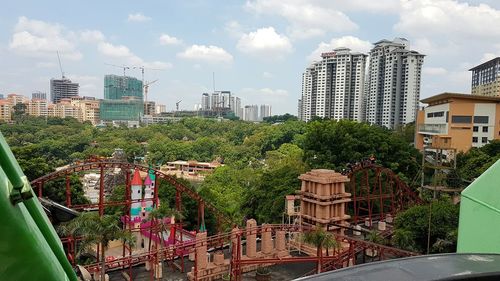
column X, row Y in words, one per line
column 146, row 88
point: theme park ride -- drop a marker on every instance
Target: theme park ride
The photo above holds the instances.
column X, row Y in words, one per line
column 372, row 195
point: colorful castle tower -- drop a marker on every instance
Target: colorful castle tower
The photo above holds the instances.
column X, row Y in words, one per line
column 136, row 195
column 149, row 192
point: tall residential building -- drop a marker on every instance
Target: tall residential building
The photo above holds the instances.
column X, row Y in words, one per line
column 149, row 107
column 334, row 87
column 5, row 111
column 205, row 101
column 39, row 95
column 160, row 108
column 1, row 96
column 14, row 99
column 486, row 78
column 38, row 107
column 63, row 109
column 235, row 105
column 88, row 109
column 123, row 100
column 251, row 113
column 393, row 84
column 62, row 89
column 265, row 111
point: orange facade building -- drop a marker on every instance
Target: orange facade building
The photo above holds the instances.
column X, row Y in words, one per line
column 457, row 122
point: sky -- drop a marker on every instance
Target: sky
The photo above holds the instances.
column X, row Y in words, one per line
column 257, row 49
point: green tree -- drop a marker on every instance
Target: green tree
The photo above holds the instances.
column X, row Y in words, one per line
column 96, row 230
column 333, row 144
column 56, row 190
column 414, row 224
column 320, row 239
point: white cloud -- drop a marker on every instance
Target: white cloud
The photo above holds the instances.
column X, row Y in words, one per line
column 91, row 36
column 267, row 75
column 265, row 92
column 306, row 18
column 111, row 50
column 434, row 71
column 488, row 56
column 82, row 78
column 41, row 39
column 205, row 53
column 166, row 39
column 265, row 42
column 448, row 19
column 138, row 17
column 45, row 64
column 128, row 57
column 233, row 28
column 351, row 42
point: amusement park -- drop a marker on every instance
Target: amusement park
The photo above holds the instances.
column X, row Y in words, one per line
column 332, row 221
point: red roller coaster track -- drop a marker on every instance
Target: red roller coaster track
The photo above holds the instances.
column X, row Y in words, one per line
column 102, row 166
column 376, row 191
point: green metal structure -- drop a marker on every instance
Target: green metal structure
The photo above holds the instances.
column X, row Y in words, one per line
column 123, row 99
column 479, row 224
column 121, row 110
column 29, row 246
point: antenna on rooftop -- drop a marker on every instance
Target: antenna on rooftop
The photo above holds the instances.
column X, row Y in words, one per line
column 60, row 66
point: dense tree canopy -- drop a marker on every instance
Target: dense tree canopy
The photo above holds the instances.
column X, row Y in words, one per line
column 262, row 161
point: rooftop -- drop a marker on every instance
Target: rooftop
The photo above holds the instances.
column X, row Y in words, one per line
column 420, row 268
column 445, row 96
column 485, row 64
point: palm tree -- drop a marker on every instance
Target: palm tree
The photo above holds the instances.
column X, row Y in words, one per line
column 157, row 216
column 320, row 239
column 96, row 230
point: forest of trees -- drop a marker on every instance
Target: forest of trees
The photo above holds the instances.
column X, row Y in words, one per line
column 262, row 161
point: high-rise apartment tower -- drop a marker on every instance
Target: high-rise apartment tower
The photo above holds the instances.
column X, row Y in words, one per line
column 334, row 87
column 393, row 84
column 62, row 89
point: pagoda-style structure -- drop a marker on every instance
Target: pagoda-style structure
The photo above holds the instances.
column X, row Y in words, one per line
column 323, row 199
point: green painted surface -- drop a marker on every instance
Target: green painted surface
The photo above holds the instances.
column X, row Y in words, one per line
column 479, row 224
column 29, row 246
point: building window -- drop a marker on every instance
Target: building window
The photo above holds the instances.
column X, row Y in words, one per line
column 481, row 119
column 475, row 129
column 484, row 139
column 474, row 139
column 461, row 119
column 485, row 129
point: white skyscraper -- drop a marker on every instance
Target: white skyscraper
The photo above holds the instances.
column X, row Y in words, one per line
column 205, row 101
column 251, row 113
column 235, row 104
column 334, row 87
column 265, row 111
column 393, row 84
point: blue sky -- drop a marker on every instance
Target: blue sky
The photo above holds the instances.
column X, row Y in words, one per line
column 258, row 49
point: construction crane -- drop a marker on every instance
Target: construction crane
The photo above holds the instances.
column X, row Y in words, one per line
column 146, row 88
column 124, row 67
column 177, row 105
column 142, row 68
column 60, row 66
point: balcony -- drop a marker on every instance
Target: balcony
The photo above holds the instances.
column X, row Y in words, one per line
column 432, row 129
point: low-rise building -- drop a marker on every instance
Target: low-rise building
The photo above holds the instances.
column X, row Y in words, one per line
column 5, row 111
column 457, row 121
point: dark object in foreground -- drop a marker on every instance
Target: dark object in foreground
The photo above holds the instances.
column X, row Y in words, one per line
column 476, row 267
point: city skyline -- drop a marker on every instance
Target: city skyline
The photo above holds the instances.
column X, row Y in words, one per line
column 258, row 49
